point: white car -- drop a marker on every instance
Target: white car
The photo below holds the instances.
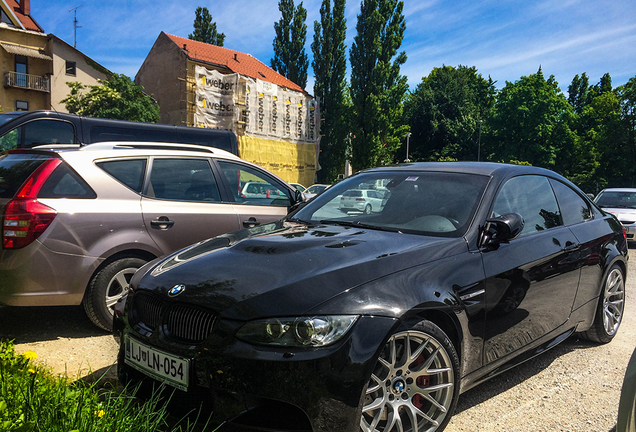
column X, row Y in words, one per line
column 314, row 190
column 621, row 202
column 363, row 200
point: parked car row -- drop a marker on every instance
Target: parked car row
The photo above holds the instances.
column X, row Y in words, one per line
column 621, row 202
column 78, row 222
column 332, row 320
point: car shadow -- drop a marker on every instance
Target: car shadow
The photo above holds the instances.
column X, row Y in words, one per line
column 37, row 324
column 517, row 375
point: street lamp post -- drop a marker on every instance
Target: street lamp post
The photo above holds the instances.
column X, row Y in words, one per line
column 408, row 136
column 479, row 142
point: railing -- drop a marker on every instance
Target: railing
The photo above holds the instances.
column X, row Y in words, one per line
column 26, row 81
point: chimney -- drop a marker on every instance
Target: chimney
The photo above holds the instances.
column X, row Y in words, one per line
column 25, row 7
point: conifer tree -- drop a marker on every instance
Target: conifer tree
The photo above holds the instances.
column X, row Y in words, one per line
column 205, row 28
column 377, row 88
column 290, row 59
column 329, row 67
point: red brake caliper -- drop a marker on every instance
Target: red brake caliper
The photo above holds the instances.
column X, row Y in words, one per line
column 422, row 382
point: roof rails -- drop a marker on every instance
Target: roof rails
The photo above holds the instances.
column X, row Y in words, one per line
column 108, row 145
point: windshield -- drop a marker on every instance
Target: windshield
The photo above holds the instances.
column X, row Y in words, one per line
column 614, row 199
column 430, row 203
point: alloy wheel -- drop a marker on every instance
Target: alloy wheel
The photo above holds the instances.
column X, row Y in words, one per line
column 118, row 286
column 412, row 385
column 613, row 301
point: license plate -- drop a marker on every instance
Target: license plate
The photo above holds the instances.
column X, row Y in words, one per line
column 164, row 367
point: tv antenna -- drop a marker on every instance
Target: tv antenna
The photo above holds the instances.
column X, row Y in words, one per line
column 75, row 26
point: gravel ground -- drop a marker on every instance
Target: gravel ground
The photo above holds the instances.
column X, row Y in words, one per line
column 573, row 387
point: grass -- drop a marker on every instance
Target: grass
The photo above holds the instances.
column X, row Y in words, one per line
column 33, row 400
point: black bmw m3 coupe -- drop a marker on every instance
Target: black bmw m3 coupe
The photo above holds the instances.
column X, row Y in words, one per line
column 376, row 318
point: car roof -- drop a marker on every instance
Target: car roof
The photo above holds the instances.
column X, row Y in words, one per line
column 479, row 168
column 137, row 148
column 619, row 190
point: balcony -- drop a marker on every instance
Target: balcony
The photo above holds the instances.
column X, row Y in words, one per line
column 27, row 82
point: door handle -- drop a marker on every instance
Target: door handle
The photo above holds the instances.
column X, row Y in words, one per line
column 569, row 246
column 162, row 223
column 251, row 222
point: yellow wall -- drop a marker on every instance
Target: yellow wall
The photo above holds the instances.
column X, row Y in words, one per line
column 294, row 163
column 40, row 67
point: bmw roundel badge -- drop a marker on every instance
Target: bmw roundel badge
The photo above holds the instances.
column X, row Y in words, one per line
column 176, row 290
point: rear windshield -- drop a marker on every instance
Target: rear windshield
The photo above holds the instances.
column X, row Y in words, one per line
column 15, row 169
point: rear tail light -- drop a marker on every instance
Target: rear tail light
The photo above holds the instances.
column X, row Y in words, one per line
column 360, row 199
column 624, row 234
column 25, row 218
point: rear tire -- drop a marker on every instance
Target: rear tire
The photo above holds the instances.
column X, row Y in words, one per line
column 107, row 286
column 414, row 386
column 610, row 308
column 367, row 209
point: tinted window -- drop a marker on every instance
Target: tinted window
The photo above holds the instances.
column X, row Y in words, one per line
column 42, row 132
column 243, row 179
column 15, row 169
column 574, row 209
column 129, row 172
column 183, row 180
column 533, row 199
column 65, row 183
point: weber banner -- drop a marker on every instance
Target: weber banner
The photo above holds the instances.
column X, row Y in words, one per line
column 215, row 96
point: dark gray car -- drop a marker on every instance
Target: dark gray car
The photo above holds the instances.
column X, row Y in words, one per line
column 78, row 222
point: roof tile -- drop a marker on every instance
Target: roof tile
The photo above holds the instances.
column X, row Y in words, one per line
column 27, row 21
column 236, row 61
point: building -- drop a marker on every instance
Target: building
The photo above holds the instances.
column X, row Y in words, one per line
column 36, row 66
column 203, row 85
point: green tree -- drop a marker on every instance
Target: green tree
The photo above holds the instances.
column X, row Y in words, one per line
column 531, row 123
column 329, row 67
column 290, row 59
column 205, row 28
column 577, row 92
column 446, row 112
column 377, row 88
column 116, row 98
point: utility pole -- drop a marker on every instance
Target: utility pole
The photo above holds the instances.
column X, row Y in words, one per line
column 75, row 26
column 408, row 136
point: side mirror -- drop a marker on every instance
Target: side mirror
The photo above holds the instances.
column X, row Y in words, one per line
column 502, row 229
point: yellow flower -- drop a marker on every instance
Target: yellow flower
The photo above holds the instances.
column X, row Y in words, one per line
column 100, row 413
column 30, row 355
column 31, row 371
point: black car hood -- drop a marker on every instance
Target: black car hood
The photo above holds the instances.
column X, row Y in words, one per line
column 287, row 268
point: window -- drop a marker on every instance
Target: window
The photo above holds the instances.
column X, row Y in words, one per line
column 21, row 105
column 183, row 180
column 40, row 132
column 5, row 18
column 21, row 68
column 533, row 199
column 252, row 187
column 129, row 172
column 70, row 68
column 65, row 183
column 574, row 209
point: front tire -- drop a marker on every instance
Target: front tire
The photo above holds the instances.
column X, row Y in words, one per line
column 611, row 305
column 109, row 285
column 415, row 384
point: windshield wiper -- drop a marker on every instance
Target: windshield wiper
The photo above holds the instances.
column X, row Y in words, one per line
column 357, row 224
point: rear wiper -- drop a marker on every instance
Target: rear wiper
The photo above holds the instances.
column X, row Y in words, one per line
column 357, row 224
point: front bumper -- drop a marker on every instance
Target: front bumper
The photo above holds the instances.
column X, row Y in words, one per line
column 275, row 388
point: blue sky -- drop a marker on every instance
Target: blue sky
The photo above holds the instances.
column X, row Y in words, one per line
column 502, row 38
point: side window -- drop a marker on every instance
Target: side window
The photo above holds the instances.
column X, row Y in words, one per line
column 574, row 209
column 183, row 180
column 41, row 132
column 129, row 172
column 65, row 183
column 531, row 197
column 251, row 187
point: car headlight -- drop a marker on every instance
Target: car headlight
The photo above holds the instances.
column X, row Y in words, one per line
column 315, row 331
